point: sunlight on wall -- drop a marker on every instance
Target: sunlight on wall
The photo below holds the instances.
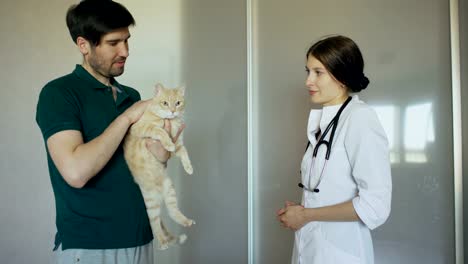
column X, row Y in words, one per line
column 389, row 119
column 418, row 132
column 408, row 144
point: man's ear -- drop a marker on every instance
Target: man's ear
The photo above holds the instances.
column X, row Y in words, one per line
column 83, row 45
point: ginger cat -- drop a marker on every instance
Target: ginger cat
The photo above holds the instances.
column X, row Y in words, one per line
column 149, row 173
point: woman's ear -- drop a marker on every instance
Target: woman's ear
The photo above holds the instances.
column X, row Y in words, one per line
column 343, row 86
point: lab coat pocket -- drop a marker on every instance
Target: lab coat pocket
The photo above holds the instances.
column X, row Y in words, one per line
column 342, row 240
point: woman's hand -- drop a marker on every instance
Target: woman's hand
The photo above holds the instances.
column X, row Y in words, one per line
column 292, row 216
column 157, row 149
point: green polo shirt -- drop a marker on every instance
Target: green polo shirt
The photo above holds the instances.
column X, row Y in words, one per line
column 109, row 211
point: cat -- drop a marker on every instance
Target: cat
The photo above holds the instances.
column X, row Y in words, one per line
column 148, row 172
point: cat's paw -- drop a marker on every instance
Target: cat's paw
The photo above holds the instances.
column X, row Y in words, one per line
column 188, row 168
column 188, row 223
column 163, row 246
column 169, row 146
column 166, row 242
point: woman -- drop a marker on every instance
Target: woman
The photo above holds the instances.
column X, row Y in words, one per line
column 346, row 192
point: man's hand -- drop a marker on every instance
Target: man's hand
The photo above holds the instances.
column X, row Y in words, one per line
column 134, row 112
column 156, row 148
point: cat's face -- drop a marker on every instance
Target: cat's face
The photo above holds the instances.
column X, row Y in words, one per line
column 168, row 103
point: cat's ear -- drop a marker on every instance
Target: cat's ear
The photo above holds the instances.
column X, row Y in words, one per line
column 158, row 89
column 182, row 90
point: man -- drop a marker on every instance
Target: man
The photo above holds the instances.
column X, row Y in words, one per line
column 83, row 116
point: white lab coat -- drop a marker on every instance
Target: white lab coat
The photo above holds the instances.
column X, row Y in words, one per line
column 359, row 170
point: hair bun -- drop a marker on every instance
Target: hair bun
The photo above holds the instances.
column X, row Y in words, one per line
column 359, row 83
column 364, row 82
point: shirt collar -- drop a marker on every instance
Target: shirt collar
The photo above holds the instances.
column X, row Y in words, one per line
column 321, row 118
column 83, row 74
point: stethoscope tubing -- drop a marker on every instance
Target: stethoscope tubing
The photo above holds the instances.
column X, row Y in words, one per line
column 328, row 144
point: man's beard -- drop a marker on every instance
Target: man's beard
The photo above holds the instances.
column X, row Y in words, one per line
column 108, row 72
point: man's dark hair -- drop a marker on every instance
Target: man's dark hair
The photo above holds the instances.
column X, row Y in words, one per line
column 91, row 19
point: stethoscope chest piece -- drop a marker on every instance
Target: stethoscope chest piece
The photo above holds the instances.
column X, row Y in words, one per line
column 315, row 190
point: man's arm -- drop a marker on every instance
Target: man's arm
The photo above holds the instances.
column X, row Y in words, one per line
column 77, row 161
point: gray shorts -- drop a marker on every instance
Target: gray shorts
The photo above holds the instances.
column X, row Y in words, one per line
column 135, row 255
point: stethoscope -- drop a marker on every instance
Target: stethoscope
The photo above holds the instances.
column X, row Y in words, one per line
column 328, row 144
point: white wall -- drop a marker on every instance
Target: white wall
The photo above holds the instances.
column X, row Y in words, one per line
column 35, row 48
